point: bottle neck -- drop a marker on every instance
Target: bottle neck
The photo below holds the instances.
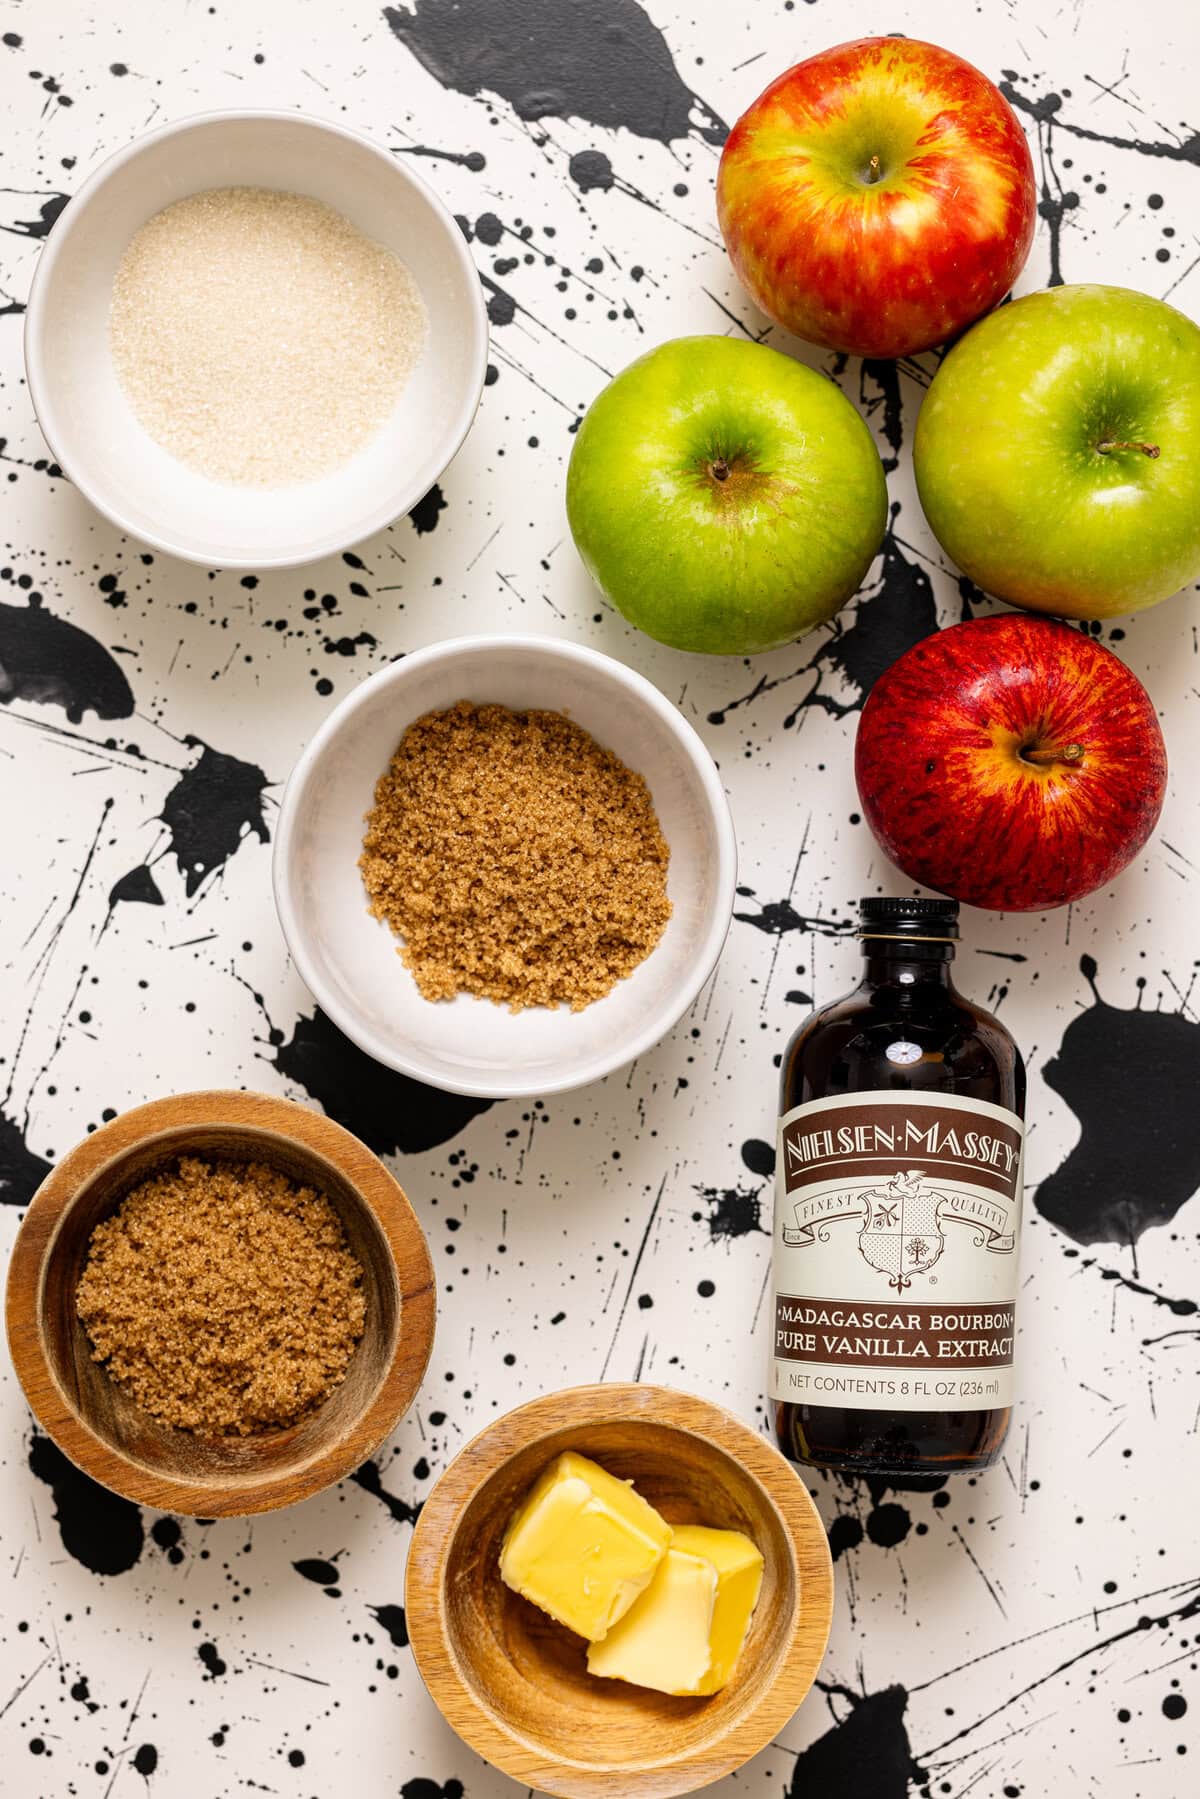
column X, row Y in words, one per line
column 897, row 963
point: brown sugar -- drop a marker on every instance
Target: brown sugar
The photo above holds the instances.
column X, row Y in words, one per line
column 223, row 1297
column 515, row 858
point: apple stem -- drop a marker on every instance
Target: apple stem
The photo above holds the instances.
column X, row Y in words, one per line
column 720, row 469
column 1066, row 752
column 1115, row 443
column 874, row 169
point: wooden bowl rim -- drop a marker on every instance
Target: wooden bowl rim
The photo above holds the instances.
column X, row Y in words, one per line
column 616, row 1403
column 380, row 1193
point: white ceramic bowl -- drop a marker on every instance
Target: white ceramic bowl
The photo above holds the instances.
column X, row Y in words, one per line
column 348, row 959
column 87, row 420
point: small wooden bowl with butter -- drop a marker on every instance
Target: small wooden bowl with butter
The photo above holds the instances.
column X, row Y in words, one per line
column 514, row 1682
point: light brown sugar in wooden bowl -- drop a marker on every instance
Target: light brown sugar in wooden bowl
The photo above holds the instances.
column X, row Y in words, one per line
column 515, row 857
column 223, row 1296
column 96, row 1418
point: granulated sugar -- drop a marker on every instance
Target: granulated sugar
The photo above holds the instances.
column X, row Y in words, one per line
column 259, row 336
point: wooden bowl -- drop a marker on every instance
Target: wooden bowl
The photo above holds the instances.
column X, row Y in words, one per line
column 95, row 1422
column 514, row 1684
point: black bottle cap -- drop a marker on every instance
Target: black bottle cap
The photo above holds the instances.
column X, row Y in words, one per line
column 935, row 920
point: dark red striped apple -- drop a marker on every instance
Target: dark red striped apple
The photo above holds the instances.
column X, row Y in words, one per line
column 1011, row 762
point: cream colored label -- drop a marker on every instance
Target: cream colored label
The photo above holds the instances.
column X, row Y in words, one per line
column 897, row 1217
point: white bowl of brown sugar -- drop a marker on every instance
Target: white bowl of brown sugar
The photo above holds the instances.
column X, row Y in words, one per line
column 505, row 865
column 254, row 338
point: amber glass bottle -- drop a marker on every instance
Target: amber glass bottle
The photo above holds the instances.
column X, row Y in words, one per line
column 897, row 1214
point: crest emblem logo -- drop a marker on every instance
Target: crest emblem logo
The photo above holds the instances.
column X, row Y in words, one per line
column 901, row 1233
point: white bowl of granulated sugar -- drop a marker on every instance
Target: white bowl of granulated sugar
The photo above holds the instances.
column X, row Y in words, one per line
column 254, row 338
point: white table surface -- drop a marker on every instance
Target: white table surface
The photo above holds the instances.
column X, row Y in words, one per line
column 1034, row 1633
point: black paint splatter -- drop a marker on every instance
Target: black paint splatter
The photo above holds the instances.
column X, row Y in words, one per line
column 146, row 1760
column 213, row 806
column 168, row 1534
column 868, row 1752
column 888, row 1524
column 845, row 1533
column 897, row 611
column 387, row 1110
column 429, row 1789
column 102, row 1531
column 474, row 160
column 466, row 159
column 81, row 1692
column 349, row 646
column 370, row 1479
column 777, row 917
column 213, row 1664
column 591, row 171
column 424, row 514
column 21, row 1172
column 48, row 211
column 137, row 887
column 393, row 1620
column 886, row 377
column 557, row 59
column 501, row 307
column 732, row 1211
column 46, row 661
column 1179, row 1308
column 1131, row 1078
column 759, row 1157
column 1049, row 108
column 322, row 1574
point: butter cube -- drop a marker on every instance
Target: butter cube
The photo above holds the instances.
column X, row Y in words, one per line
column 685, row 1633
column 739, row 1566
column 583, row 1546
column 663, row 1640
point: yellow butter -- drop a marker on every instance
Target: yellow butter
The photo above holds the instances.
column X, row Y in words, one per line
column 664, row 1640
column 739, row 1569
column 583, row 1545
column 685, row 1633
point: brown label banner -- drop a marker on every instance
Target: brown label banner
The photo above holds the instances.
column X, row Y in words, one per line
column 871, row 1139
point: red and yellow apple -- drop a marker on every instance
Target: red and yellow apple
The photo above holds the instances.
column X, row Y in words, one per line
column 1011, row 762
column 878, row 198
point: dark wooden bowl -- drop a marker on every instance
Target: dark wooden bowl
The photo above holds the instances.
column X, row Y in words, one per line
column 514, row 1684
column 95, row 1422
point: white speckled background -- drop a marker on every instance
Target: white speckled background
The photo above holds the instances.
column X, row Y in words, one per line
column 1035, row 1633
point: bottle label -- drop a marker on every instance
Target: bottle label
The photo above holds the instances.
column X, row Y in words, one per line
column 896, row 1224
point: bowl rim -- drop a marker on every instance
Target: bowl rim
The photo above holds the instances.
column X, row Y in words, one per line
column 40, row 385
column 550, row 648
column 230, row 1495
column 616, row 1402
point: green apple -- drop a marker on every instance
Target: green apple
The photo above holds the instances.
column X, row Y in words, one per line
column 1057, row 452
column 724, row 497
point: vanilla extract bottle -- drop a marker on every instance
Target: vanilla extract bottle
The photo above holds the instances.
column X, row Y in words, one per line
column 897, row 1214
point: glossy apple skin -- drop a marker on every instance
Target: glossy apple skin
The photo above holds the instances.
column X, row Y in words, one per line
column 1008, row 462
column 951, row 799
column 731, row 565
column 888, row 266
